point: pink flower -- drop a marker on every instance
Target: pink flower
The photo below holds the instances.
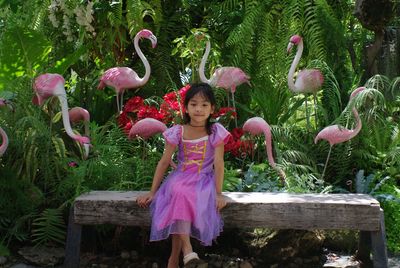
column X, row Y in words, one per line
column 72, row 164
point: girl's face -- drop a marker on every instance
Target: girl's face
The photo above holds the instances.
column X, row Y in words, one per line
column 199, row 109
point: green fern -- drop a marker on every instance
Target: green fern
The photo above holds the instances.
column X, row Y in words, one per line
column 48, row 227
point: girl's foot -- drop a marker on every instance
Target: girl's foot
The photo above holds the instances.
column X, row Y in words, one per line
column 192, row 260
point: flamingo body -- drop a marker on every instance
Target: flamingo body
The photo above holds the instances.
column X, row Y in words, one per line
column 227, row 78
column 119, row 78
column 309, row 81
column 47, row 85
column 257, row 126
column 123, row 78
column 146, row 128
column 336, row 134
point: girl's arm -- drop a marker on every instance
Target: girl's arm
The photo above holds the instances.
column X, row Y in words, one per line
column 219, row 174
column 161, row 168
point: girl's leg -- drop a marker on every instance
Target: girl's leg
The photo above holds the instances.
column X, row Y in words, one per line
column 190, row 258
column 186, row 245
column 173, row 261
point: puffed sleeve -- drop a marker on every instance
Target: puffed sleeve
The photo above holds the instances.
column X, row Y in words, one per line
column 173, row 134
column 219, row 135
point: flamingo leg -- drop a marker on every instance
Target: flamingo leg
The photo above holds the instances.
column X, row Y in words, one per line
column 315, row 109
column 307, row 115
column 119, row 110
column 234, row 107
column 122, row 100
column 326, row 162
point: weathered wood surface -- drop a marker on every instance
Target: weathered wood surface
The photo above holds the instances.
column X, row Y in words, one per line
column 272, row 210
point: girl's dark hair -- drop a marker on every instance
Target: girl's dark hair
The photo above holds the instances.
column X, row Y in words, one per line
column 206, row 91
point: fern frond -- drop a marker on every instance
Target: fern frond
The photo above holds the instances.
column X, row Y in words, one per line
column 49, row 227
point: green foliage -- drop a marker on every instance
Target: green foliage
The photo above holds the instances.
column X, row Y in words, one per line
column 258, row 179
column 48, row 227
column 391, row 210
column 22, row 52
column 232, row 179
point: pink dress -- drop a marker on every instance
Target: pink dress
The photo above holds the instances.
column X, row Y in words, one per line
column 185, row 202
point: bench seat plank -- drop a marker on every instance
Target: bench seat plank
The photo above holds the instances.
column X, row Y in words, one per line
column 272, row 210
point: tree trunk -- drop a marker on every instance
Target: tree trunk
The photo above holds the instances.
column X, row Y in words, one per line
column 388, row 60
column 374, row 15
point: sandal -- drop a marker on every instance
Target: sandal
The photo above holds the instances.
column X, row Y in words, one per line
column 192, row 260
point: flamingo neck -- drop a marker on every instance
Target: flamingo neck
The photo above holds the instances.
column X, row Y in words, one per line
column 65, row 116
column 268, row 146
column 358, row 122
column 4, row 143
column 202, row 75
column 146, row 76
column 293, row 67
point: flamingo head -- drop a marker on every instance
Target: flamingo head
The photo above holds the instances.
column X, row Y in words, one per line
column 293, row 41
column 3, row 102
column 356, row 91
column 256, row 126
column 82, row 140
column 148, row 35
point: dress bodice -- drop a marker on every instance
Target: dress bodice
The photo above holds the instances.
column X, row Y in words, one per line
column 196, row 156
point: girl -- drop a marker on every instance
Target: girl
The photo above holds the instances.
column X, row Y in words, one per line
column 187, row 204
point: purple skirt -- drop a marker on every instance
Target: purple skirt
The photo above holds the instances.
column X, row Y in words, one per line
column 186, row 204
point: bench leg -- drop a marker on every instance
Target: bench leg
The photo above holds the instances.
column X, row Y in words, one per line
column 73, row 247
column 364, row 248
column 378, row 241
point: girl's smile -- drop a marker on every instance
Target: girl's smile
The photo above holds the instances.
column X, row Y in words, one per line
column 199, row 109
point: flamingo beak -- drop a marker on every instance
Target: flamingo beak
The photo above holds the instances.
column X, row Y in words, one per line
column 153, row 40
column 289, row 48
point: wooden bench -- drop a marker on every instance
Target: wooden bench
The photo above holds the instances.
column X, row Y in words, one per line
column 270, row 210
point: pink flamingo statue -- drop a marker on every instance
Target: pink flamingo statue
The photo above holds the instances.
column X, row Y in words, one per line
column 78, row 114
column 308, row 80
column 227, row 78
column 337, row 134
column 147, row 128
column 48, row 85
column 123, row 78
column 256, row 126
column 3, row 134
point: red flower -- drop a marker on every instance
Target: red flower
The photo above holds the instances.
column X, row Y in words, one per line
column 226, row 112
column 123, row 119
column 237, row 133
column 128, row 127
column 133, row 104
column 149, row 112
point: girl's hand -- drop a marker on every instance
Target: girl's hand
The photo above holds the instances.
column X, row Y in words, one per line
column 221, row 202
column 144, row 200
